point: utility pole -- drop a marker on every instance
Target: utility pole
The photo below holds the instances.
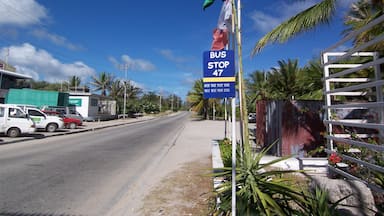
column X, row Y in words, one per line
column 160, row 103
column 125, row 68
column 172, row 103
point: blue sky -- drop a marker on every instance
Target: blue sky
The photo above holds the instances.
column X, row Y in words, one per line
column 162, row 42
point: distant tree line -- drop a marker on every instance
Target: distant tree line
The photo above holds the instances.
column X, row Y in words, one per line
column 137, row 100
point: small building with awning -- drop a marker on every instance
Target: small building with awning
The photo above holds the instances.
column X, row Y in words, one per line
column 9, row 78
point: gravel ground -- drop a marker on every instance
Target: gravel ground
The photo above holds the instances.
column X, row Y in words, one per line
column 175, row 196
column 180, row 183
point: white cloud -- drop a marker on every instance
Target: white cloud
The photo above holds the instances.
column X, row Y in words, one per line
column 21, row 12
column 132, row 64
column 264, row 22
column 41, row 65
column 56, row 39
column 188, row 79
column 168, row 54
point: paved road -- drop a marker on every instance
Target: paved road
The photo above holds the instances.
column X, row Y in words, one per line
column 87, row 126
column 85, row 173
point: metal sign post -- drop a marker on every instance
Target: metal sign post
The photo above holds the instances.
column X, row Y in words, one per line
column 219, row 74
column 233, row 103
column 219, row 82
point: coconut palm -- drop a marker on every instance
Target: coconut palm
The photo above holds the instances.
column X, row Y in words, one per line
column 196, row 99
column 308, row 19
column 74, row 81
column 116, row 92
column 133, row 91
column 361, row 13
column 283, row 80
column 102, row 83
column 257, row 88
column 303, row 21
column 309, row 81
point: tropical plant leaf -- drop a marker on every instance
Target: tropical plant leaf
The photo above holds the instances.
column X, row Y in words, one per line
column 304, row 21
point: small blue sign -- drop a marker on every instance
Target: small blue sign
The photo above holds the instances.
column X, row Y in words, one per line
column 219, row 74
column 219, row 89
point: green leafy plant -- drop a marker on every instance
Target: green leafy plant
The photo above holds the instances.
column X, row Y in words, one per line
column 260, row 190
column 226, row 152
column 317, row 203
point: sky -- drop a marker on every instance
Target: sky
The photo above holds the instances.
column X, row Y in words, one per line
column 158, row 45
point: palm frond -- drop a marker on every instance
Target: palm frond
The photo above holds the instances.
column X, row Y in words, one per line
column 304, row 21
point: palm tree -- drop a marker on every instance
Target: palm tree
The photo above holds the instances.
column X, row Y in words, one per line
column 283, row 80
column 103, row 82
column 196, row 99
column 74, row 81
column 310, row 83
column 303, row 21
column 117, row 93
column 256, row 88
column 308, row 19
column 133, row 91
column 361, row 13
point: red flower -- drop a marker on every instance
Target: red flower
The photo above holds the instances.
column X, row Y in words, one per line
column 334, row 158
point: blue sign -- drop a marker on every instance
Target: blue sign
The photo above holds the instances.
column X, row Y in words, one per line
column 219, row 74
column 219, row 63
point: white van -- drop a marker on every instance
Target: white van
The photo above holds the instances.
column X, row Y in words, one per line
column 14, row 121
column 42, row 120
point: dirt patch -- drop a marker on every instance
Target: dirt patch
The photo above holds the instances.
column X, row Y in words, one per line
column 187, row 191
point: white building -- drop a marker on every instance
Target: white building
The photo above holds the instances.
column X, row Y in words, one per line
column 93, row 107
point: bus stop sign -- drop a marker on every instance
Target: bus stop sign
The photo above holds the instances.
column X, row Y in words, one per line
column 219, row 74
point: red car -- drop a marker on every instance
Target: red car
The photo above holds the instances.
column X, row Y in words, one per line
column 69, row 122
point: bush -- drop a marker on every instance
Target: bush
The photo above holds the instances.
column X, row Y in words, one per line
column 226, row 152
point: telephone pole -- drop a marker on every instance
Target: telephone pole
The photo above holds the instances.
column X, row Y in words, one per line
column 125, row 68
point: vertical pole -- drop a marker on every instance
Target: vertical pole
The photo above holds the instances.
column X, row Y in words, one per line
column 225, row 117
column 125, row 98
column 172, row 103
column 160, row 103
column 213, row 111
column 328, row 101
column 379, row 95
column 233, row 104
column 242, row 100
column 125, row 68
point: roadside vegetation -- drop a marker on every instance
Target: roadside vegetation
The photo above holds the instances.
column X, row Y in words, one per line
column 262, row 189
column 137, row 100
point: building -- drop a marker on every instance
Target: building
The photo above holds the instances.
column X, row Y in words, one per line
column 93, row 107
column 9, row 78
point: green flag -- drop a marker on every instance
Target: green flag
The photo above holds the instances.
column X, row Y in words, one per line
column 207, row 3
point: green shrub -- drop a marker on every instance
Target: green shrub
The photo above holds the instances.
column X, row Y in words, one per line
column 226, row 152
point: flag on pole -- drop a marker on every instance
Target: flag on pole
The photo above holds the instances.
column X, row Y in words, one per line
column 207, row 3
column 220, row 33
column 225, row 17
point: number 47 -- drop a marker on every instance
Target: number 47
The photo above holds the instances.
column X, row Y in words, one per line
column 217, row 72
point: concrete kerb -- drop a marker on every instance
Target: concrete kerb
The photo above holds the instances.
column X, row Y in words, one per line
column 91, row 127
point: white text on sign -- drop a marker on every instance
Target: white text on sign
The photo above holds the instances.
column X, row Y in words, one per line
column 218, row 67
column 214, row 55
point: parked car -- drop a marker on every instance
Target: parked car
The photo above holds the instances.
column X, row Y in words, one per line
column 67, row 111
column 42, row 120
column 14, row 121
column 69, row 122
